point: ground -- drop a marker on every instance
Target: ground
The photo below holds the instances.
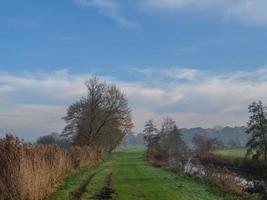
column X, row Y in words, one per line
column 238, row 152
column 125, row 175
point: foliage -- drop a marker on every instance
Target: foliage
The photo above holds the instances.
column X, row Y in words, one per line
column 101, row 119
column 257, row 129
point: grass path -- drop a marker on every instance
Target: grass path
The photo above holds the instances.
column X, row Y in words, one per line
column 132, row 178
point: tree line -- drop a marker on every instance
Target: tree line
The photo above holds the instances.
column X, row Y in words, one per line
column 165, row 143
column 103, row 118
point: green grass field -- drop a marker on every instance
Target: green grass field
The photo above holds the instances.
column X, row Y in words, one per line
column 241, row 152
column 134, row 179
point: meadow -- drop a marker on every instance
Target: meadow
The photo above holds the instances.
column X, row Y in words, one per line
column 236, row 152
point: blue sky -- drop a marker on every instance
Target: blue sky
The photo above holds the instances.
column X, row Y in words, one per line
column 78, row 35
column 151, row 48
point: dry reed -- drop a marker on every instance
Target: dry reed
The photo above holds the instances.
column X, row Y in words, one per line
column 31, row 172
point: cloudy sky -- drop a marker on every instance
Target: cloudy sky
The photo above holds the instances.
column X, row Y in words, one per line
column 199, row 61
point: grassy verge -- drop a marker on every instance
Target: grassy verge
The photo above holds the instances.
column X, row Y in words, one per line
column 140, row 180
column 133, row 178
column 71, row 183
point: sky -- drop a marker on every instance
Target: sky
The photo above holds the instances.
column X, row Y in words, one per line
column 201, row 62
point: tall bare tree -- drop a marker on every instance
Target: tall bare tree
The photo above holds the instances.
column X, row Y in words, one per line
column 101, row 119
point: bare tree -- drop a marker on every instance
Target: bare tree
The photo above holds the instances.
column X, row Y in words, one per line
column 100, row 119
column 167, row 126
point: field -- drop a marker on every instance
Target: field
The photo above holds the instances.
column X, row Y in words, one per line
column 124, row 175
column 241, row 152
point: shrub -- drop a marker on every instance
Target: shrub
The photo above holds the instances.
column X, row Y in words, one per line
column 255, row 168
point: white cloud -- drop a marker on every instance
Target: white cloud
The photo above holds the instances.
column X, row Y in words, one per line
column 142, row 96
column 189, row 74
column 252, row 11
column 109, row 8
column 171, row 73
column 32, row 104
column 174, row 4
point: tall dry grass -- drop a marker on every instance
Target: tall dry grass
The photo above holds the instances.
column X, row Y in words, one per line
column 31, row 172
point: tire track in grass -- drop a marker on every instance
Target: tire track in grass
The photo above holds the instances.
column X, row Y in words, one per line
column 77, row 194
column 106, row 193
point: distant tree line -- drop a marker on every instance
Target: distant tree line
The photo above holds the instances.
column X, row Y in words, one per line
column 55, row 138
column 256, row 130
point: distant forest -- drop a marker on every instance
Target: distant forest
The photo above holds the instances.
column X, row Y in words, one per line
column 233, row 137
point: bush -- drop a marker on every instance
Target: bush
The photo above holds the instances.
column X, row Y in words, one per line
column 254, row 168
column 33, row 171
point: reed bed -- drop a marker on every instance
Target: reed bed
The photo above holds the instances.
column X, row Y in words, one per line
column 31, row 172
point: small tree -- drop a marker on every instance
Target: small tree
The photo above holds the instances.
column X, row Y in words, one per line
column 150, row 131
column 170, row 137
column 174, row 146
column 257, row 129
column 151, row 138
